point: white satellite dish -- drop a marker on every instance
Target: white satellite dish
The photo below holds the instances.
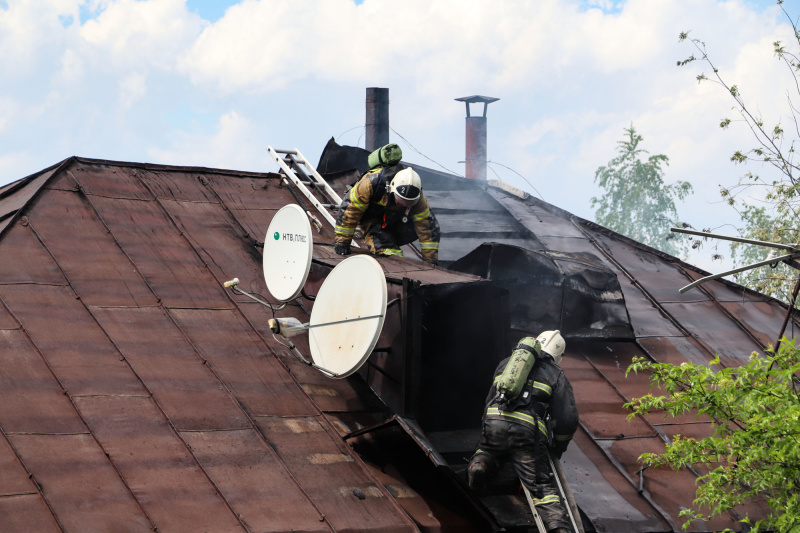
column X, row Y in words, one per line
column 348, row 315
column 288, row 246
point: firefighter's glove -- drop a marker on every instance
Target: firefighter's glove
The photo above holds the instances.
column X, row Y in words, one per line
column 343, row 249
column 559, row 447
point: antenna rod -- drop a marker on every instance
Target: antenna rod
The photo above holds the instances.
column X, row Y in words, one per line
column 740, row 269
column 344, row 321
column 790, row 247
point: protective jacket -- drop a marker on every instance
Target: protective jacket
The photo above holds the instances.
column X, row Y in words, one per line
column 368, row 203
column 547, row 391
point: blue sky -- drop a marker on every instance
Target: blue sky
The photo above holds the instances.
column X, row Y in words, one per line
column 212, row 83
column 210, row 10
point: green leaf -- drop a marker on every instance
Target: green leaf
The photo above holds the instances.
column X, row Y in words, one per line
column 754, row 451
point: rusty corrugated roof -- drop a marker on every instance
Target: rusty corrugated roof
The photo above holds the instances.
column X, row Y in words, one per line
column 136, row 393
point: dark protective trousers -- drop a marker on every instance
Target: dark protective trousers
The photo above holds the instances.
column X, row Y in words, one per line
column 388, row 239
column 525, row 448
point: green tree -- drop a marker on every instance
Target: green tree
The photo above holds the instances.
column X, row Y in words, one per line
column 754, row 451
column 778, row 224
column 635, row 201
column 769, row 204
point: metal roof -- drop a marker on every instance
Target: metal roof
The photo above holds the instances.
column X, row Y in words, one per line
column 720, row 318
column 136, row 393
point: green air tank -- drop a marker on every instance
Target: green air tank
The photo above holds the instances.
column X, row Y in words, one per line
column 519, row 365
column 385, row 156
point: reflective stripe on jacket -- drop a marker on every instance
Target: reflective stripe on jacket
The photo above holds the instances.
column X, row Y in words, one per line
column 547, row 390
column 519, row 417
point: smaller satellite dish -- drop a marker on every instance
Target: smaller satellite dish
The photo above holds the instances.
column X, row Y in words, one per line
column 287, row 252
column 348, row 315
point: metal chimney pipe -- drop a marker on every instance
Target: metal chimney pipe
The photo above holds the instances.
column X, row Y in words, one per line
column 476, row 138
column 377, row 123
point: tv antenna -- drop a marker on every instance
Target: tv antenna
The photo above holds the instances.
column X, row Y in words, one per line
column 288, row 247
column 349, row 309
column 773, row 258
column 789, row 258
column 347, row 318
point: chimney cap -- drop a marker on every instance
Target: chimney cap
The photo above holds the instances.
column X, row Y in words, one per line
column 477, row 99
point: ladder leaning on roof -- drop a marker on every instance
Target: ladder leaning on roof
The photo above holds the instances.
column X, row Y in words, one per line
column 296, row 168
column 536, row 517
column 566, row 497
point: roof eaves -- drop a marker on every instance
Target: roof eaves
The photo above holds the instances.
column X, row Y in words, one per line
column 15, row 196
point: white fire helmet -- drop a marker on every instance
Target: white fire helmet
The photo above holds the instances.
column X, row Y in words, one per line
column 406, row 187
column 553, row 344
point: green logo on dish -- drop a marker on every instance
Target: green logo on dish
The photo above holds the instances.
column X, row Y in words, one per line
column 277, row 235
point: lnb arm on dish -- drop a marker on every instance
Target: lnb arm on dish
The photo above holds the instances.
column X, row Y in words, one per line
column 233, row 285
column 287, row 327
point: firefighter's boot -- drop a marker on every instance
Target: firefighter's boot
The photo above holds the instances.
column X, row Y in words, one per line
column 476, row 474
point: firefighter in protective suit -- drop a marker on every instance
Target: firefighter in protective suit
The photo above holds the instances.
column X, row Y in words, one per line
column 389, row 206
column 517, row 430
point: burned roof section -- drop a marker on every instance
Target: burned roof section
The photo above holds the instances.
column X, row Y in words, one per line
column 574, row 292
column 720, row 317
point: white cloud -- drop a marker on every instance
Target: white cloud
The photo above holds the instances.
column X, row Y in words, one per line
column 132, row 34
column 28, row 29
column 132, row 88
column 234, row 144
column 8, row 110
column 72, row 67
column 569, row 80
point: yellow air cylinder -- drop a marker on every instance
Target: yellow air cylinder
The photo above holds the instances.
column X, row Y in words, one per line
column 519, row 365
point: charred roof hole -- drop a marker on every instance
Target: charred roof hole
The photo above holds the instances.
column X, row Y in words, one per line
column 572, row 292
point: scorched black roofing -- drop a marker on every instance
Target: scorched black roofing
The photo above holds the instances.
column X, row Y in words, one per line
column 719, row 318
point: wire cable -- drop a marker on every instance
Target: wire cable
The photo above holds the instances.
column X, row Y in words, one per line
column 423, row 155
column 363, row 128
column 520, row 175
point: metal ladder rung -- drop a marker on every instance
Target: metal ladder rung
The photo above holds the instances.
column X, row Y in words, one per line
column 296, row 168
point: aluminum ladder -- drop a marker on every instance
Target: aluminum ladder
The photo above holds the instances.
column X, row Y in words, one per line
column 297, row 169
column 567, row 499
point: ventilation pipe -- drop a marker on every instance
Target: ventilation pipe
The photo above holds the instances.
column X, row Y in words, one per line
column 476, row 138
column 377, row 118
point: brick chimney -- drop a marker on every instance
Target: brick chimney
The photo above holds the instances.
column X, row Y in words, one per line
column 476, row 137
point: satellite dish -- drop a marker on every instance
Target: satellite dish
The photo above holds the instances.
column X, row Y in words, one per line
column 348, row 315
column 288, row 246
